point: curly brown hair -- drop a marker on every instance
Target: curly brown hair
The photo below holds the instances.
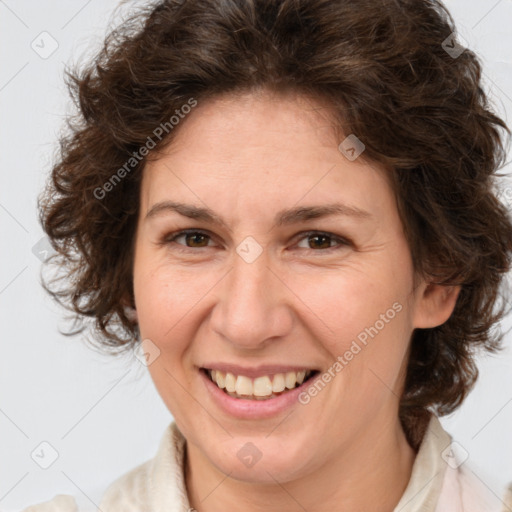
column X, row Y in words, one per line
column 387, row 73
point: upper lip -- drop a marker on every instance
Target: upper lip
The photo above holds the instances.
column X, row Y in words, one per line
column 256, row 371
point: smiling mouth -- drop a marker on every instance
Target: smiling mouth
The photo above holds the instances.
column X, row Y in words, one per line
column 260, row 388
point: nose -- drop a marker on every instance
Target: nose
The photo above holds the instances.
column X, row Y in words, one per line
column 253, row 307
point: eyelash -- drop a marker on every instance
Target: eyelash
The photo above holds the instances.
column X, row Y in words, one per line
column 342, row 242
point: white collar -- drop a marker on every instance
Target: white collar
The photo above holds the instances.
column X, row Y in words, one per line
column 435, row 486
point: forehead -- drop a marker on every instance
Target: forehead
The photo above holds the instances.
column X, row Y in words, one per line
column 272, row 119
column 261, row 149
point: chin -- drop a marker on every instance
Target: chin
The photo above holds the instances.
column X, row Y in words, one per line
column 260, row 460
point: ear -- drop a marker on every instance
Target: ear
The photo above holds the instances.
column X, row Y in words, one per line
column 434, row 304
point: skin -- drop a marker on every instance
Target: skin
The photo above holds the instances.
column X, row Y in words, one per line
column 301, row 302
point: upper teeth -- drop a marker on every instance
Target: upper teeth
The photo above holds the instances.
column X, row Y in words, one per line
column 261, row 386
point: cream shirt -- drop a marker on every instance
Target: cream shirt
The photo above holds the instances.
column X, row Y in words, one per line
column 438, row 483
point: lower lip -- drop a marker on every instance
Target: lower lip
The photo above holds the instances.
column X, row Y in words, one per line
column 254, row 409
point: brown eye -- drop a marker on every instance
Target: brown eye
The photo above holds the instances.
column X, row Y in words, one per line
column 321, row 241
column 193, row 239
column 196, row 238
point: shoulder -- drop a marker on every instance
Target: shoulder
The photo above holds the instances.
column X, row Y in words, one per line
column 472, row 491
column 477, row 492
column 145, row 487
column 131, row 490
column 507, row 499
column 60, row 503
column 154, row 483
column 455, row 483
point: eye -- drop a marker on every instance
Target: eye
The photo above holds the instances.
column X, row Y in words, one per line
column 197, row 239
column 322, row 240
column 190, row 235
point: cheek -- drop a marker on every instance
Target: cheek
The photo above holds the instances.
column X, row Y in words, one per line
column 363, row 316
column 164, row 297
column 350, row 305
column 165, row 307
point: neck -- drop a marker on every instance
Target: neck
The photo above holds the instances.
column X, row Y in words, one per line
column 375, row 470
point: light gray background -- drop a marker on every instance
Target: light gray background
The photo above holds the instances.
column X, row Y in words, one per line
column 102, row 415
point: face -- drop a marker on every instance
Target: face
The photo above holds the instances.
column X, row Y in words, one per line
column 268, row 283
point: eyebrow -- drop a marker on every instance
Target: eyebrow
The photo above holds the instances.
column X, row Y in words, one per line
column 283, row 217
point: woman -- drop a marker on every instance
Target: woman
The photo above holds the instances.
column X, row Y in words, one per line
column 288, row 206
